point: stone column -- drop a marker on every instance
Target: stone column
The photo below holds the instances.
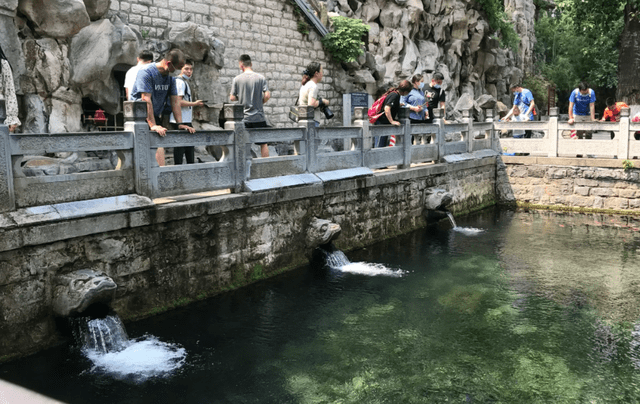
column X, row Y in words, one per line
column 234, row 114
column 362, row 120
column 438, row 119
column 468, row 119
column 624, row 136
column 144, row 158
column 305, row 119
column 403, row 116
column 7, row 195
column 552, row 132
column 493, row 144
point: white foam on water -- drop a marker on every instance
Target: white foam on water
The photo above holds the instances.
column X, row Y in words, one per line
column 142, row 359
column 468, row 231
column 366, row 268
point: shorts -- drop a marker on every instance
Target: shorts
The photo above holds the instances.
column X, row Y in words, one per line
column 253, row 125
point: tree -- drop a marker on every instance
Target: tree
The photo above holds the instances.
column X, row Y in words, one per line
column 629, row 60
column 578, row 41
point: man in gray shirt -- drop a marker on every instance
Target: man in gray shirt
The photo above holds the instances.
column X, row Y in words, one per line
column 251, row 90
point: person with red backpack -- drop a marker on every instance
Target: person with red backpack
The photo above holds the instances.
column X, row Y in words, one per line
column 387, row 108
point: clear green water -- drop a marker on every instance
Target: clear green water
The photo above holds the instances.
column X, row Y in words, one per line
column 539, row 308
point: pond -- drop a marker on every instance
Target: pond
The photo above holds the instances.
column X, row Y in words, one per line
column 539, row 307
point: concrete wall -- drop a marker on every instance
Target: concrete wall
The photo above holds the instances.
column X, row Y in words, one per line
column 165, row 255
column 576, row 183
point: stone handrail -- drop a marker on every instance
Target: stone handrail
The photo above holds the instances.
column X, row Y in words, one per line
column 139, row 173
column 558, row 142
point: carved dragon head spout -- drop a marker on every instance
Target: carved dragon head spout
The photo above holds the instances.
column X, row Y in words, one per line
column 320, row 232
column 436, row 201
column 74, row 292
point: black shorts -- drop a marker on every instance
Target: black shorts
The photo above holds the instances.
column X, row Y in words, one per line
column 253, row 125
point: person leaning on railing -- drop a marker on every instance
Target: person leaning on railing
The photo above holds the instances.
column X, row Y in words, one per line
column 524, row 102
column 612, row 111
column 582, row 107
column 391, row 107
column 416, row 100
column 157, row 88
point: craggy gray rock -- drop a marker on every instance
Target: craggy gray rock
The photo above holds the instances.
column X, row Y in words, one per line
column 56, row 18
column 93, row 54
column 97, row 8
column 189, row 37
column 74, row 292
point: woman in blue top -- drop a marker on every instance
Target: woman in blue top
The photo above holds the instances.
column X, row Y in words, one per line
column 416, row 100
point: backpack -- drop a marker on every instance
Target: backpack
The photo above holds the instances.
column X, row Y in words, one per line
column 376, row 109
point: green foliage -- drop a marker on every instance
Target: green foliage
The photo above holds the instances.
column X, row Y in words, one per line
column 345, row 41
column 578, row 40
column 627, row 164
column 538, row 86
column 499, row 21
column 257, row 273
column 303, row 27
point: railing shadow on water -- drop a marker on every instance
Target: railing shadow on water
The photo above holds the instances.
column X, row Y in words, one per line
column 138, row 172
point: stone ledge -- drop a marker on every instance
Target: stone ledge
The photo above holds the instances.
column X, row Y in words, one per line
column 51, row 223
column 563, row 161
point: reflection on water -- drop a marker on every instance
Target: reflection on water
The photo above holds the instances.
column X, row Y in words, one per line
column 538, row 308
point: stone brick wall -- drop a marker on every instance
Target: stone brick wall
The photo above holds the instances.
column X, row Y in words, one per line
column 264, row 29
column 570, row 186
column 170, row 254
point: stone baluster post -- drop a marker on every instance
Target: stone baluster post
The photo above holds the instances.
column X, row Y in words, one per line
column 624, row 136
column 403, row 116
column 438, row 119
column 305, row 119
column 552, row 132
column 234, row 114
column 362, row 120
column 493, row 144
column 144, row 158
column 468, row 119
column 7, row 193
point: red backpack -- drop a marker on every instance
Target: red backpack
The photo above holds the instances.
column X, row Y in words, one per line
column 376, row 109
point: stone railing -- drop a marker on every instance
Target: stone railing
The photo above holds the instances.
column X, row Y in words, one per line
column 558, row 142
column 138, row 172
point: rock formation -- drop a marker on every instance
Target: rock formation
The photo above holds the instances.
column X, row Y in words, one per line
column 410, row 37
column 65, row 52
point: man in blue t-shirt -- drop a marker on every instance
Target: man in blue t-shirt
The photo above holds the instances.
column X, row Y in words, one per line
column 157, row 88
column 523, row 99
column 582, row 107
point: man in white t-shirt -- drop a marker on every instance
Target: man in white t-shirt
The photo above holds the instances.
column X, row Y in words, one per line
column 144, row 57
column 184, row 99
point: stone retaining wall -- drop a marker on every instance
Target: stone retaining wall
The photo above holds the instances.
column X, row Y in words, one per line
column 171, row 254
column 573, row 183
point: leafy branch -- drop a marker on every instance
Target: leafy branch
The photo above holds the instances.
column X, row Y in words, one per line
column 345, row 41
column 499, row 21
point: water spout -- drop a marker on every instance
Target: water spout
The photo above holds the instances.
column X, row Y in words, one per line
column 436, row 202
column 320, row 232
column 75, row 292
column 105, row 342
column 452, row 220
column 328, row 256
